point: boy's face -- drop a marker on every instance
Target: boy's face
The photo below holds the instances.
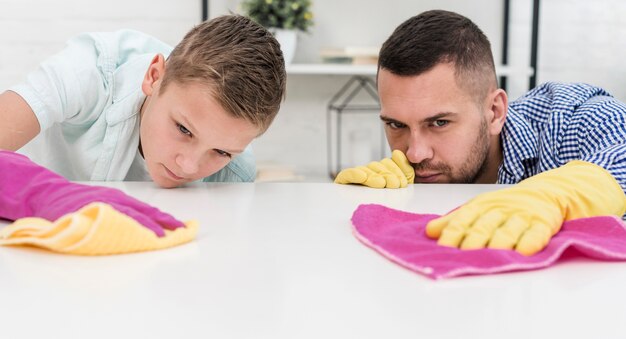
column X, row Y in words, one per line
column 446, row 135
column 185, row 133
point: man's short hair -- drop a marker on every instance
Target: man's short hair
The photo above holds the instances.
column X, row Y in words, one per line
column 438, row 36
column 239, row 61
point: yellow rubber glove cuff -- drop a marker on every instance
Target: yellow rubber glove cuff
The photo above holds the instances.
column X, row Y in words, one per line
column 396, row 172
column 96, row 229
column 524, row 217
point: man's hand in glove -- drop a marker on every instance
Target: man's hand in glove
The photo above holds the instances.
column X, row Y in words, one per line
column 396, row 172
column 524, row 217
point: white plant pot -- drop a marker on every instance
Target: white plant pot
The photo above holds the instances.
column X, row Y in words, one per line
column 288, row 39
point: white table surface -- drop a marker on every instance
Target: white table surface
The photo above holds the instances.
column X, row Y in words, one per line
column 278, row 260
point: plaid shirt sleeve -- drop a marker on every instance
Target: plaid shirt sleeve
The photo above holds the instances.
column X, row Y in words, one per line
column 557, row 123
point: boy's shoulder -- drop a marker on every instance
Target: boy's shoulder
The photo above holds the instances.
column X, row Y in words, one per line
column 122, row 45
column 240, row 169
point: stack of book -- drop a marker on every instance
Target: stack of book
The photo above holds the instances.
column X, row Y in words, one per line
column 350, row 55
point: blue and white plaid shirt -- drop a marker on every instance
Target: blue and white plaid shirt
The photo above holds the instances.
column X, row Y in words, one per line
column 556, row 123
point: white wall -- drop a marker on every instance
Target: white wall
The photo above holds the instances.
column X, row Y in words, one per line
column 585, row 41
column 579, row 41
column 30, row 30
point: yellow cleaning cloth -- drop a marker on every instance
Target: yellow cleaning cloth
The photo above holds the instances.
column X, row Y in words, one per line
column 96, row 229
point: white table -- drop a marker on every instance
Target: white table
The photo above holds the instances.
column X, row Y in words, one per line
column 278, row 260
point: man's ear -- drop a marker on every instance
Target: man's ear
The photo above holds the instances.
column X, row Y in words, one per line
column 498, row 103
column 154, row 75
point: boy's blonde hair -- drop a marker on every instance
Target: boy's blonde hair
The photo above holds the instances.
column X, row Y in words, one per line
column 239, row 61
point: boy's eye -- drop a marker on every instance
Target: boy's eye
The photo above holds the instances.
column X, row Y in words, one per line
column 222, row 153
column 183, row 129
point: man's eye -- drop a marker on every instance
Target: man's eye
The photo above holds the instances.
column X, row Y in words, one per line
column 183, row 129
column 440, row 123
column 395, row 124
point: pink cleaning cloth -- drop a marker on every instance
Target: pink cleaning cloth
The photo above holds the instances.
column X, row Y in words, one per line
column 401, row 237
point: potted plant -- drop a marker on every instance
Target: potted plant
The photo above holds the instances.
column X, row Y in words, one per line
column 284, row 18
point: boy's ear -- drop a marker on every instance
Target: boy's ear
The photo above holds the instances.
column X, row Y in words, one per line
column 154, row 75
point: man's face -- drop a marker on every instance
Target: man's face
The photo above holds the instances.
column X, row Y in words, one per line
column 186, row 135
column 447, row 135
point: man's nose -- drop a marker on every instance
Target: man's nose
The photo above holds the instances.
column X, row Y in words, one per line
column 419, row 150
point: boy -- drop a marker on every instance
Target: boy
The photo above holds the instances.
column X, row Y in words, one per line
column 120, row 106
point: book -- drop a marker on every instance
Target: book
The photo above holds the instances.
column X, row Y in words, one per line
column 350, row 55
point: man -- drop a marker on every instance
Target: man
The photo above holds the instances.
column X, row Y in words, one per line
column 563, row 145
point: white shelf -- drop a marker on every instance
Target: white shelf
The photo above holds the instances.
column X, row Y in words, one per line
column 347, row 69
column 331, row 69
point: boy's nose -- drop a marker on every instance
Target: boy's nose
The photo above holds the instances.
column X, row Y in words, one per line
column 188, row 162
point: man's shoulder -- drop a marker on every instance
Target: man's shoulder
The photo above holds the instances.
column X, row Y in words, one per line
column 550, row 98
column 558, row 93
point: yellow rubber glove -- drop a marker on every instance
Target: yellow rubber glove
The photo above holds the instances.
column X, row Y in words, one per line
column 524, row 217
column 388, row 173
